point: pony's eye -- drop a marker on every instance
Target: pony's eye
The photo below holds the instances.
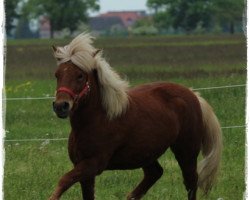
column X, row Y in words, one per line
column 80, row 77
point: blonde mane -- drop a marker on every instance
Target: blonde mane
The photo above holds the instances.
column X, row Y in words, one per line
column 113, row 89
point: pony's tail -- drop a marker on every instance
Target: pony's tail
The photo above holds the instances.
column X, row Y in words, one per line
column 211, row 147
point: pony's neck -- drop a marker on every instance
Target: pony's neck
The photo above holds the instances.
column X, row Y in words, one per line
column 90, row 109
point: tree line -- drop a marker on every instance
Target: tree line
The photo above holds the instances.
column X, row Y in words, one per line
column 189, row 15
column 180, row 16
column 61, row 14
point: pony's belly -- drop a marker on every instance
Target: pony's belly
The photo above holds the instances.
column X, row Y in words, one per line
column 123, row 166
column 135, row 158
column 142, row 149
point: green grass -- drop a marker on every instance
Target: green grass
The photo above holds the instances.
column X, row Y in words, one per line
column 40, row 166
column 148, row 40
column 32, row 169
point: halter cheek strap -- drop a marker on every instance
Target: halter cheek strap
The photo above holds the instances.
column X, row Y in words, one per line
column 72, row 94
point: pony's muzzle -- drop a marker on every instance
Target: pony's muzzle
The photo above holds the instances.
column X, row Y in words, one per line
column 61, row 109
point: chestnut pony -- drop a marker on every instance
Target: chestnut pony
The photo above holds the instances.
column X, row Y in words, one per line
column 114, row 127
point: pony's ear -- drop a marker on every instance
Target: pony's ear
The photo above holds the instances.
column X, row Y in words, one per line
column 96, row 52
column 54, row 48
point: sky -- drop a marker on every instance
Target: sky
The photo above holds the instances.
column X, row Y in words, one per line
column 116, row 5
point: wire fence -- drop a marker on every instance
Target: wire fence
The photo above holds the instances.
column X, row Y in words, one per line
column 63, row 139
column 52, row 97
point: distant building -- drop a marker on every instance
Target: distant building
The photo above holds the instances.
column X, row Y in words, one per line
column 115, row 21
column 44, row 27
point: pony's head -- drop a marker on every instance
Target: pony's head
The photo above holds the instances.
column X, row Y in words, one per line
column 76, row 62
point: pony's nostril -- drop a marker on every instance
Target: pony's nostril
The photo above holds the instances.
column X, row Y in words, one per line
column 65, row 106
column 61, row 107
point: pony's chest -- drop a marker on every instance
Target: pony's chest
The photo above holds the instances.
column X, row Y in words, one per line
column 73, row 150
column 77, row 149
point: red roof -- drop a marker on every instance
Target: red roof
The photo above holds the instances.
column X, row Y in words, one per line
column 127, row 17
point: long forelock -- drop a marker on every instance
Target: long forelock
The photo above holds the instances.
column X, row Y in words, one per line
column 79, row 51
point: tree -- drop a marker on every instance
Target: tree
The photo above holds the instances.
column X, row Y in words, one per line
column 229, row 11
column 11, row 14
column 182, row 14
column 62, row 14
column 189, row 14
column 23, row 29
column 144, row 26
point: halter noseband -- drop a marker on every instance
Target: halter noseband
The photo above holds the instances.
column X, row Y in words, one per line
column 74, row 96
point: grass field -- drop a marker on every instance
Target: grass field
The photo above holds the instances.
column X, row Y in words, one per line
column 32, row 168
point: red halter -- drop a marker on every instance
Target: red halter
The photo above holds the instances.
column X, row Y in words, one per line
column 75, row 96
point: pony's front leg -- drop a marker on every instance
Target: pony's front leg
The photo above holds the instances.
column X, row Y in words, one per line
column 85, row 170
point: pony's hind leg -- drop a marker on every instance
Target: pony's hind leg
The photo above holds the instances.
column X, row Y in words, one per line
column 87, row 186
column 187, row 160
column 152, row 173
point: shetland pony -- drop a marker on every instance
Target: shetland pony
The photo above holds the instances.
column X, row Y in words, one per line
column 114, row 127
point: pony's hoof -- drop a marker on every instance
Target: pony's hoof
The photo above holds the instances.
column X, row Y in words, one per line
column 53, row 198
column 132, row 197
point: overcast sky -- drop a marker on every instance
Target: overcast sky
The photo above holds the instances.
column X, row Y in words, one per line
column 116, row 5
